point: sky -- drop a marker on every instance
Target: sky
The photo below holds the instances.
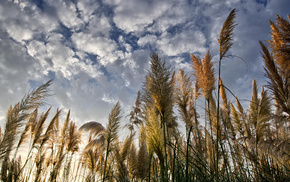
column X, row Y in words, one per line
column 97, row 51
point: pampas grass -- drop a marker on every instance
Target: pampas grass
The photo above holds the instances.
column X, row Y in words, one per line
column 240, row 144
column 225, row 43
column 15, row 117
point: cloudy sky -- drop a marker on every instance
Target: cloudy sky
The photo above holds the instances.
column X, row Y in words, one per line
column 97, row 51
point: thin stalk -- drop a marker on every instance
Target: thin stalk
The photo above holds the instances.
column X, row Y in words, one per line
column 218, row 117
column 77, row 170
column 173, row 163
column 106, row 158
column 199, row 141
column 200, row 158
column 226, row 160
column 211, row 132
column 205, row 135
column 164, row 174
column 187, row 155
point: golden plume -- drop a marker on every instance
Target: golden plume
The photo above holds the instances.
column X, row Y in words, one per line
column 204, row 73
column 226, row 35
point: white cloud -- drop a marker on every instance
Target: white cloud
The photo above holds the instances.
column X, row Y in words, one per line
column 100, row 46
column 232, row 2
column 99, row 26
column 16, row 68
column 66, row 12
column 108, row 99
column 24, row 21
column 134, row 16
column 183, row 42
column 87, row 8
column 147, row 40
column 181, row 63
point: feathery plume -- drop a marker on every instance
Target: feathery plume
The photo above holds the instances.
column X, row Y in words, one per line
column 254, row 104
column 276, row 81
column 94, row 127
column 196, row 90
column 111, row 134
column 183, row 94
column 237, row 121
column 226, row 35
column 73, row 138
column 114, row 123
column 264, row 116
column 204, row 73
column 154, row 135
column 17, row 114
column 280, row 42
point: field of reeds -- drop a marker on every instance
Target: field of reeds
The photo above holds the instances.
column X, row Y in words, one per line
column 230, row 143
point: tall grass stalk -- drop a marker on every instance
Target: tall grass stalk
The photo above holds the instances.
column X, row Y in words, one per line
column 111, row 133
column 225, row 43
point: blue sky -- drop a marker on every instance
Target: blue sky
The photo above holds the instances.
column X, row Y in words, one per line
column 97, row 51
